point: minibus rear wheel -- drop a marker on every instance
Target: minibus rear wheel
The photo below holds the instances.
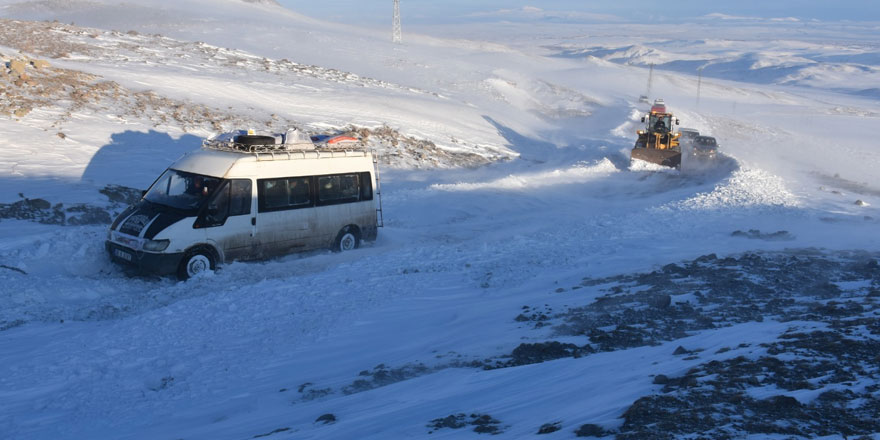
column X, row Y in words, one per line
column 196, row 261
column 349, row 238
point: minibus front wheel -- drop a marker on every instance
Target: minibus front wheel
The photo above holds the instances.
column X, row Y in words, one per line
column 196, row 261
column 349, row 238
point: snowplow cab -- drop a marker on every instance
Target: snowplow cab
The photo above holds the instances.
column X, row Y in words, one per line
column 657, row 142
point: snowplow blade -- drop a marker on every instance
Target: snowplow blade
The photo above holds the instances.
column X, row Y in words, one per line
column 668, row 158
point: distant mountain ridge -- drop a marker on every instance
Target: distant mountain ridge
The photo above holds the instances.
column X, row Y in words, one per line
column 263, row 2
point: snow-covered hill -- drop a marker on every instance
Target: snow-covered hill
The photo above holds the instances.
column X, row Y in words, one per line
column 529, row 279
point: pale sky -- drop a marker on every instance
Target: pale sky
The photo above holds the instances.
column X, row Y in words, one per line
column 368, row 12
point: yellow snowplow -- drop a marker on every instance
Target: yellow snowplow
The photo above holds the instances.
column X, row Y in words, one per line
column 657, row 142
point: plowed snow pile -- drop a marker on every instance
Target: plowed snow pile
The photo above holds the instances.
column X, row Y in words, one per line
column 746, row 188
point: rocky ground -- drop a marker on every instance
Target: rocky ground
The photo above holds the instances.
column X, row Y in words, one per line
column 840, row 364
column 29, row 82
column 835, row 295
column 42, row 211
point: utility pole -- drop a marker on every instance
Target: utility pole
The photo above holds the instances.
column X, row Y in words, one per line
column 699, row 83
column 395, row 26
column 645, row 98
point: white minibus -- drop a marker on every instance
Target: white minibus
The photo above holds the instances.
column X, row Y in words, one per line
column 244, row 196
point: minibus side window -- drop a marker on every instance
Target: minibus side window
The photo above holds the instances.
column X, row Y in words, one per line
column 366, row 186
column 218, row 208
column 284, row 193
column 338, row 188
column 273, row 194
column 240, row 197
column 298, row 191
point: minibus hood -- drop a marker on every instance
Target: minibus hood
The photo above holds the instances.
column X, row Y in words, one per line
column 146, row 219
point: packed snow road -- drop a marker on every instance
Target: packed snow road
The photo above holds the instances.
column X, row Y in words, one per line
column 81, row 333
column 507, row 226
column 553, row 208
column 462, row 251
column 63, row 273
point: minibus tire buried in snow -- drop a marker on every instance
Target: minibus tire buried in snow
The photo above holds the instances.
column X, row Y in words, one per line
column 349, row 238
column 196, row 260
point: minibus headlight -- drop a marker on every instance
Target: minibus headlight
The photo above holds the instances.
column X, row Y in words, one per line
column 156, row 245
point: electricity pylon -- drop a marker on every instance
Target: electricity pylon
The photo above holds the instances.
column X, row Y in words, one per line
column 395, row 27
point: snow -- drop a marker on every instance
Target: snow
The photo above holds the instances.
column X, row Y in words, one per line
column 255, row 348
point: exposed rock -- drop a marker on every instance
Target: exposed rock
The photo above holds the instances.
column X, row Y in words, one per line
column 42, row 211
column 121, row 194
column 36, row 204
column 725, row 291
column 275, row 431
column 660, row 301
column 661, row 379
column 482, row 423
column 485, row 424
column 452, row 421
column 161, row 384
column 17, row 67
column 381, row 376
column 758, row 235
column 534, row 353
column 6, row 325
column 308, row 392
column 590, row 430
column 87, row 215
column 40, row 64
column 326, row 419
column 712, row 400
column 548, row 428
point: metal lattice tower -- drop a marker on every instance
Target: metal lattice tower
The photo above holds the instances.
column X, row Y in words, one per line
column 395, row 26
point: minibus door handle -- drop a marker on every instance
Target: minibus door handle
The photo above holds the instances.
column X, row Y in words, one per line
column 253, row 221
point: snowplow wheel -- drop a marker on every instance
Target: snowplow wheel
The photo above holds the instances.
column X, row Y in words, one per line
column 195, row 262
column 348, row 239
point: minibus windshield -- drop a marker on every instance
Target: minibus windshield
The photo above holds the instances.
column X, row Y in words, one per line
column 182, row 190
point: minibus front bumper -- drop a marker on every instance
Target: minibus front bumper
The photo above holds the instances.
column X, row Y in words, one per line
column 144, row 262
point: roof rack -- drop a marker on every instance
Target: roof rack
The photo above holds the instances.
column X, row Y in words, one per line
column 293, row 141
column 310, row 154
column 238, row 147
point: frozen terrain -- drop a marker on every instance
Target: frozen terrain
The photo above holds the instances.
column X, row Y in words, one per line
column 529, row 278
